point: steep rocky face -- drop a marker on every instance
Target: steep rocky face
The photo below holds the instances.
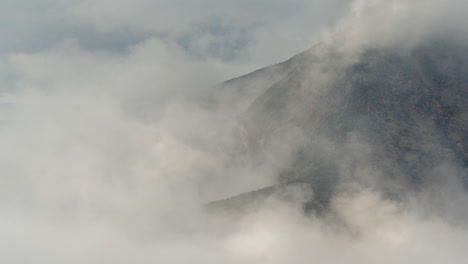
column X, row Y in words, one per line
column 385, row 119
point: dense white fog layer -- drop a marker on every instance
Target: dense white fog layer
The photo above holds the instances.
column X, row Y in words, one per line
column 107, row 156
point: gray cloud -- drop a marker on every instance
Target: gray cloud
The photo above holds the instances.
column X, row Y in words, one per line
column 222, row 29
column 399, row 23
column 107, row 157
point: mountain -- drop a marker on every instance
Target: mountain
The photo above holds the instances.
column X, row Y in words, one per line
column 384, row 118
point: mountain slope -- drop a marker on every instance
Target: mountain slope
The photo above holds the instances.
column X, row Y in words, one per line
column 384, row 119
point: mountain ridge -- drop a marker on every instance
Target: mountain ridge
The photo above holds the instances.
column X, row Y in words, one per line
column 385, row 120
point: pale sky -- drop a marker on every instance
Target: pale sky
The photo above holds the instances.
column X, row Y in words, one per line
column 257, row 32
column 102, row 154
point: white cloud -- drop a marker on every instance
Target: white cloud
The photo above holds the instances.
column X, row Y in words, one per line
column 105, row 157
column 402, row 23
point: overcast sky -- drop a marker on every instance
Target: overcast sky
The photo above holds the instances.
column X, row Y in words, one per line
column 102, row 156
column 96, row 146
column 253, row 32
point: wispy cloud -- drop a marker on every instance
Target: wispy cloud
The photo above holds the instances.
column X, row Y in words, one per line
column 108, row 156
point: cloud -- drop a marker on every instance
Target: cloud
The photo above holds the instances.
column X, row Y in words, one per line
column 257, row 32
column 108, row 156
column 399, row 23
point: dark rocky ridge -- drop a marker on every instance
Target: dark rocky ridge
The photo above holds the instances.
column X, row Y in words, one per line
column 385, row 120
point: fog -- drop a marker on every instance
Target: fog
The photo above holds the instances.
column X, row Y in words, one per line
column 109, row 152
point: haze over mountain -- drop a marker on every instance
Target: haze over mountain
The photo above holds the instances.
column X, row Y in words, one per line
column 117, row 146
column 385, row 119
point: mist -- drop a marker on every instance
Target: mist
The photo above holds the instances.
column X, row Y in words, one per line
column 112, row 150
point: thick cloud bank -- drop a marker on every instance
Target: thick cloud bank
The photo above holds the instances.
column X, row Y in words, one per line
column 108, row 156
